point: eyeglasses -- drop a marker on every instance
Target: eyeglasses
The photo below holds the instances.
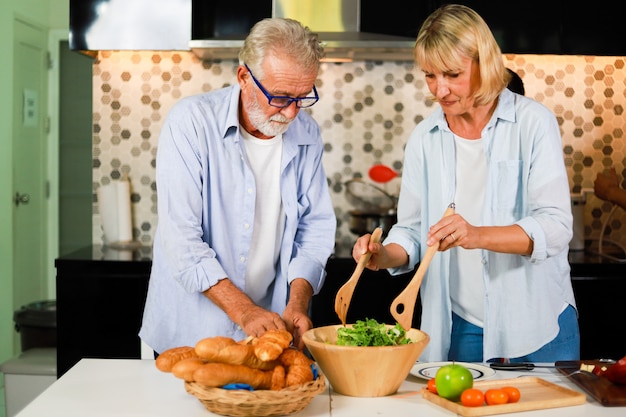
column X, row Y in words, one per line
column 285, row 101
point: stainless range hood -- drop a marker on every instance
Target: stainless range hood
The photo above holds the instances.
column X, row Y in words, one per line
column 338, row 24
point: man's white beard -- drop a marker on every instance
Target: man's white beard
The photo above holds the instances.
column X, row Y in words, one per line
column 265, row 125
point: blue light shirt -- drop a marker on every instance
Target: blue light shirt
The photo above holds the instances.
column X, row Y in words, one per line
column 526, row 185
column 206, row 207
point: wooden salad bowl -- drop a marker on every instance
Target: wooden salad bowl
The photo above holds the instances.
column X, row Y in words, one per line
column 363, row 371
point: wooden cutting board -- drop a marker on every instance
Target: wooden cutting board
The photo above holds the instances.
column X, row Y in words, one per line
column 535, row 394
column 601, row 389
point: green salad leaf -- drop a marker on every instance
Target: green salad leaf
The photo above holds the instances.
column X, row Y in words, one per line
column 369, row 332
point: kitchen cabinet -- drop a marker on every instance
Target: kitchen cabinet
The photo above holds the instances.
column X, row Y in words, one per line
column 531, row 27
column 101, row 296
column 141, row 25
column 100, row 300
column 599, row 288
column 601, row 316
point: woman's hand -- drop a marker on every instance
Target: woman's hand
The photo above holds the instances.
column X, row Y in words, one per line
column 362, row 246
column 383, row 256
column 453, row 231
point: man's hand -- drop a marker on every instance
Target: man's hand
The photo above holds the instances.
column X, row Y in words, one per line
column 296, row 314
column 297, row 324
column 256, row 320
column 252, row 319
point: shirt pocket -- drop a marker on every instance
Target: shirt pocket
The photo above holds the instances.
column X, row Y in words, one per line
column 508, row 196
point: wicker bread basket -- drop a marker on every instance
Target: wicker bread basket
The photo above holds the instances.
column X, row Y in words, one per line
column 243, row 403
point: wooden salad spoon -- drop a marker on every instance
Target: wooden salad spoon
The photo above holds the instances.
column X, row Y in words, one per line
column 404, row 304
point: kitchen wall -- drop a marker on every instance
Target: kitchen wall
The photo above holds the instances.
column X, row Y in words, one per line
column 51, row 14
column 366, row 111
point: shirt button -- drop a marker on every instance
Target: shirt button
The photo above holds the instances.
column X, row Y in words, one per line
column 249, row 190
column 242, row 259
column 247, row 225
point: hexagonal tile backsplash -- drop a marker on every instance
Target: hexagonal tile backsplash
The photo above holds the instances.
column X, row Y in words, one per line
column 366, row 112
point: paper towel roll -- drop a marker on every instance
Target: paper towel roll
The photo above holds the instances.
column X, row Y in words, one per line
column 115, row 212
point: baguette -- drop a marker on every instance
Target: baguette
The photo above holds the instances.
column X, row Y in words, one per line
column 166, row 360
column 185, row 368
column 226, row 350
column 220, row 374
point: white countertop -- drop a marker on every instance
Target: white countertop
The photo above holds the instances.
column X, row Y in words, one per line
column 135, row 388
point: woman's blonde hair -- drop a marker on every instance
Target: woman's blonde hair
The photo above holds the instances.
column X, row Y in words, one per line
column 281, row 36
column 454, row 32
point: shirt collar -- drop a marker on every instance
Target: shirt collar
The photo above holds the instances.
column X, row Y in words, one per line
column 232, row 117
column 506, row 106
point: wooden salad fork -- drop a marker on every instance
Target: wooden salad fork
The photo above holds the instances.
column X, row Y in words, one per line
column 344, row 295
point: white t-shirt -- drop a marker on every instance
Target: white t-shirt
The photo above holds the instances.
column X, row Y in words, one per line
column 467, row 289
column 264, row 156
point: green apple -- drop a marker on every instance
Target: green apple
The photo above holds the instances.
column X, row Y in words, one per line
column 451, row 380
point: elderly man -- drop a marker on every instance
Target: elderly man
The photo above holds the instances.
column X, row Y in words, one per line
column 246, row 223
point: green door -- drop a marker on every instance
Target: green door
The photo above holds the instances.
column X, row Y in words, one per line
column 29, row 163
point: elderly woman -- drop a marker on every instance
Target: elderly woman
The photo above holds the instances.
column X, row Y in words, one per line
column 499, row 289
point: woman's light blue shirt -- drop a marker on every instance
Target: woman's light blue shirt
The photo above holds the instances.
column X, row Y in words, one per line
column 206, row 203
column 527, row 185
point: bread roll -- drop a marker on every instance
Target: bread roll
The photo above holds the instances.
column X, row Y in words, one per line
column 293, row 356
column 271, row 344
column 297, row 365
column 298, row 374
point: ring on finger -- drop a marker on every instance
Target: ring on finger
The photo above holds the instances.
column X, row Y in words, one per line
column 453, row 238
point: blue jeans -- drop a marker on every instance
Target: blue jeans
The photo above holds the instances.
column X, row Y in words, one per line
column 467, row 342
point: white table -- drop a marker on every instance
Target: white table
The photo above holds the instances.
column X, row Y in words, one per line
column 135, row 388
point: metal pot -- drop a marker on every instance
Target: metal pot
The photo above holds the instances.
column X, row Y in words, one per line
column 362, row 222
column 368, row 198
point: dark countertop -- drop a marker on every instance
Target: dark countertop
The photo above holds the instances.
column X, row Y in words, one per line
column 588, row 265
column 104, row 274
column 103, row 253
column 585, row 264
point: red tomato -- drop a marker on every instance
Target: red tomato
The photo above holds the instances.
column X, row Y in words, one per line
column 472, row 398
column 496, row 396
column 513, row 393
column 431, row 386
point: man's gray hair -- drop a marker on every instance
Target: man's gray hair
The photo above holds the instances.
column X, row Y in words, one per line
column 281, row 36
